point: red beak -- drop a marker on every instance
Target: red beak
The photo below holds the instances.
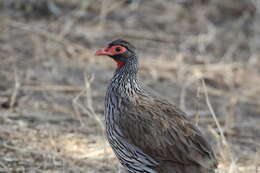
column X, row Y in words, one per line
column 104, row 51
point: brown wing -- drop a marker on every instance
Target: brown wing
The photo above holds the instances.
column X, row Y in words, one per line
column 163, row 132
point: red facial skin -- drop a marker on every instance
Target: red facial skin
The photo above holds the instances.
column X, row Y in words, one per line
column 113, row 50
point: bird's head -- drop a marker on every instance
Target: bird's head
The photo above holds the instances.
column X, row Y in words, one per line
column 119, row 50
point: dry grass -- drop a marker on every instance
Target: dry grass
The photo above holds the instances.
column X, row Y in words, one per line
column 52, row 87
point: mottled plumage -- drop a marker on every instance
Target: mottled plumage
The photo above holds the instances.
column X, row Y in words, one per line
column 147, row 134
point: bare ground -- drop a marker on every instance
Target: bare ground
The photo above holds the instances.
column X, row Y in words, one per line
column 52, row 87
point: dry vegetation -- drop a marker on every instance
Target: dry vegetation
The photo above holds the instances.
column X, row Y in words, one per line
column 203, row 55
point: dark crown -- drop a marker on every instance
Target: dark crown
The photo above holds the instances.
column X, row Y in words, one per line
column 124, row 43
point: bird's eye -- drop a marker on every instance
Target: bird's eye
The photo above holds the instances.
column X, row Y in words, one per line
column 117, row 49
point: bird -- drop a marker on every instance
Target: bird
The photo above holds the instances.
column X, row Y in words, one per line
column 149, row 134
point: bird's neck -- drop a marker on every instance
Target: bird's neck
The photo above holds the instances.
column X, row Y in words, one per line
column 125, row 82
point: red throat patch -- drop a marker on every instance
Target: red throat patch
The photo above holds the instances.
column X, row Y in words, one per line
column 119, row 63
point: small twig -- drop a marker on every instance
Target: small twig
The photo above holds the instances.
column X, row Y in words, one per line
column 233, row 167
column 59, row 88
column 184, row 92
column 88, row 81
column 88, row 108
column 224, row 141
column 76, row 105
column 15, row 91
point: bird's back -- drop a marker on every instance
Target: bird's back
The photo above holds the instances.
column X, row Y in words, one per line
column 162, row 131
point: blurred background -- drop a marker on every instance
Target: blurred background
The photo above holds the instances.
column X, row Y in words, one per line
column 202, row 55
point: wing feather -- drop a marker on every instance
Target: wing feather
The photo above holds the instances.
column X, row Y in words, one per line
column 163, row 132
